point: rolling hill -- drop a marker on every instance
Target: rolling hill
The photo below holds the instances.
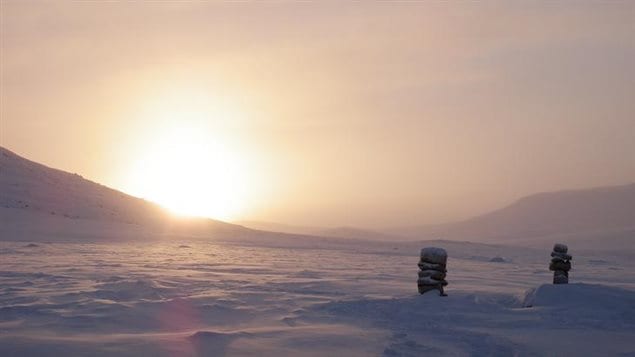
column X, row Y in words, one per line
column 39, row 202
column 603, row 213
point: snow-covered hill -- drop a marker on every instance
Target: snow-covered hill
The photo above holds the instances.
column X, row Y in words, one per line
column 604, row 214
column 37, row 201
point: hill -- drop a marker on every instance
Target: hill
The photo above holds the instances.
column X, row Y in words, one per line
column 604, row 212
column 39, row 202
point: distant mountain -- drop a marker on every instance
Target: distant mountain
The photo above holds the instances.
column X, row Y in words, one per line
column 278, row 227
column 37, row 201
column 603, row 212
column 356, row 233
column 336, row 232
column 42, row 203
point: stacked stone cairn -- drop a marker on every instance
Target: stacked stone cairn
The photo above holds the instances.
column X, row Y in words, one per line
column 560, row 264
column 432, row 271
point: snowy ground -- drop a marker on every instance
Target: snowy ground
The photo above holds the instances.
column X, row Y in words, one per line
column 189, row 298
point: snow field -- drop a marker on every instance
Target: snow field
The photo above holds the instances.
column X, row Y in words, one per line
column 193, row 298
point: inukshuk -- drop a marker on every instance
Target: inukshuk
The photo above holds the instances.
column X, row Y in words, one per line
column 560, row 264
column 432, row 271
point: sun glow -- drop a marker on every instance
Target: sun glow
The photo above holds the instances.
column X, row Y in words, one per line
column 183, row 164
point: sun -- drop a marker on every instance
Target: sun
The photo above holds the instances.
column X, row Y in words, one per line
column 191, row 173
column 182, row 156
column 186, row 149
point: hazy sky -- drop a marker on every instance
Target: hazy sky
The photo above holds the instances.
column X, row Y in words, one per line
column 366, row 114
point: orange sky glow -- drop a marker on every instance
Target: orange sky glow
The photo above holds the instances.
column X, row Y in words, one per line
column 324, row 114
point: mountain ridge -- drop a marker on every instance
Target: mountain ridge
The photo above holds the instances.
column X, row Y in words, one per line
column 544, row 214
column 39, row 202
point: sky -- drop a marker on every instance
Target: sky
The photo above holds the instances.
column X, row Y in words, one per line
column 373, row 115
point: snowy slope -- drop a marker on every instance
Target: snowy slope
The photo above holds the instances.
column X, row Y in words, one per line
column 601, row 215
column 38, row 201
column 33, row 187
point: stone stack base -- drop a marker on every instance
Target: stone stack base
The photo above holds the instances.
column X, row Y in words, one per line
column 432, row 270
column 560, row 264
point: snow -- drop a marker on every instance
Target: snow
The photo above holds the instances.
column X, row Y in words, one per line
column 191, row 298
column 434, row 255
column 89, row 271
column 38, row 202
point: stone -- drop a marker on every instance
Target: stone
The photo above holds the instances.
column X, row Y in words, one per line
column 432, row 266
column 433, row 274
column 563, row 256
column 425, row 288
column 560, row 277
column 560, row 263
column 434, row 255
column 560, row 248
column 430, row 281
